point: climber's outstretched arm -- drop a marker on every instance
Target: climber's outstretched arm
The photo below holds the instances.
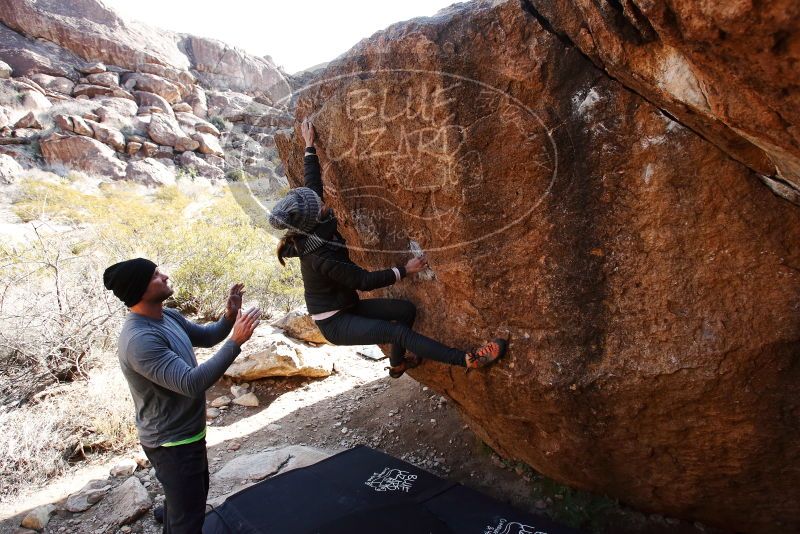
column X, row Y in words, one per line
column 311, row 172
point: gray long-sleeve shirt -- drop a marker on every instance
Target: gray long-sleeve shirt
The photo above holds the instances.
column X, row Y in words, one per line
column 167, row 385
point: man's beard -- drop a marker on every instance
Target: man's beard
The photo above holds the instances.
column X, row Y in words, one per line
column 168, row 292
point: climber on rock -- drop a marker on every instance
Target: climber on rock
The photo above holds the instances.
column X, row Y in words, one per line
column 168, row 386
column 331, row 281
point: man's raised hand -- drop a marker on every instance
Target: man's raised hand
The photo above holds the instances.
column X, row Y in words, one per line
column 245, row 325
column 234, row 302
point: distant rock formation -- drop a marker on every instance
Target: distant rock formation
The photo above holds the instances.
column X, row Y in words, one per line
column 72, row 69
column 613, row 223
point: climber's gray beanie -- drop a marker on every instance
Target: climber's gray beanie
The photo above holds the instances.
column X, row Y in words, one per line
column 298, row 210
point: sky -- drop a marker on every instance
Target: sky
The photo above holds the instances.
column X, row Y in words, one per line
column 297, row 34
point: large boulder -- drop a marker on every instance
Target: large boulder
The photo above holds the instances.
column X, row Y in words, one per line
column 22, row 96
column 179, row 76
column 107, row 79
column 647, row 280
column 56, row 84
column 152, row 100
column 80, row 126
column 29, row 120
column 150, row 172
column 209, row 144
column 277, row 355
column 726, row 69
column 117, row 113
column 27, row 56
column 190, row 160
column 191, row 123
column 82, row 153
column 164, row 130
column 5, row 70
column 108, row 135
column 92, row 31
column 38, row 518
column 86, row 497
column 151, row 83
column 199, row 101
column 221, row 66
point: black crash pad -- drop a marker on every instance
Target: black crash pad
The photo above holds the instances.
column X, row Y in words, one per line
column 364, row 491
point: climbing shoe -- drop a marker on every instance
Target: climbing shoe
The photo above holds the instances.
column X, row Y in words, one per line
column 486, row 354
column 409, row 362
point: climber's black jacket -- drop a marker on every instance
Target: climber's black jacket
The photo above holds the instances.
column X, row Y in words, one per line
column 330, row 278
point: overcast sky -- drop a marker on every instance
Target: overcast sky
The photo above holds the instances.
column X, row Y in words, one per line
column 297, row 34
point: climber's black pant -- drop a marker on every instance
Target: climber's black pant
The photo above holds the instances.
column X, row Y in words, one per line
column 183, row 472
column 374, row 321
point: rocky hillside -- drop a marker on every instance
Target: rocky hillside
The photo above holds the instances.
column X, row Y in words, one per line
column 81, row 88
column 596, row 180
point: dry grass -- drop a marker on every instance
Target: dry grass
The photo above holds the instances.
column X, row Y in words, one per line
column 63, row 424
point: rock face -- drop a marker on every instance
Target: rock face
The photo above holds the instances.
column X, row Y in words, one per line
column 92, row 31
column 224, row 67
column 726, row 69
column 648, row 281
column 83, row 153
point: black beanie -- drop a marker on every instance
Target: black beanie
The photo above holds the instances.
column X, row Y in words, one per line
column 129, row 279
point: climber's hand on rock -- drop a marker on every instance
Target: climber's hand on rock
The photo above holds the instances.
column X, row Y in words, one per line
column 307, row 129
column 416, row 265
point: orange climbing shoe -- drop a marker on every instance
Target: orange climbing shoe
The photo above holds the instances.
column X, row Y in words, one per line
column 487, row 354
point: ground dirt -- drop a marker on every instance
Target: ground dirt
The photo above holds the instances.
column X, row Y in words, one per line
column 359, row 404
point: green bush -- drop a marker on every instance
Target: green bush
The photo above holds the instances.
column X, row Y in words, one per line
column 219, row 123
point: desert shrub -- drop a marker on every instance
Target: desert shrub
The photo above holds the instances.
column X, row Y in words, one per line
column 186, row 173
column 237, row 175
column 219, row 123
column 53, row 307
